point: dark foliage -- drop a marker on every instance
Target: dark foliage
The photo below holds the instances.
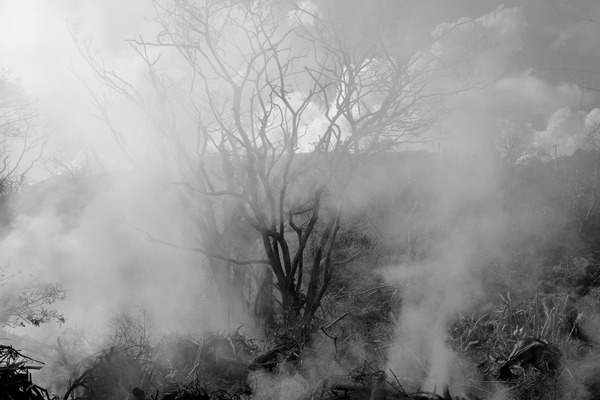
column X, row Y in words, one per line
column 15, row 379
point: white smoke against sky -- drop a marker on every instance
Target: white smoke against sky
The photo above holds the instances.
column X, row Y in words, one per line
column 568, row 130
column 502, row 91
column 467, row 213
column 36, row 45
column 498, row 34
column 468, row 195
column 448, row 281
column 105, row 263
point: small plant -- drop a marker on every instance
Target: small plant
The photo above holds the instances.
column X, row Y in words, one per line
column 28, row 303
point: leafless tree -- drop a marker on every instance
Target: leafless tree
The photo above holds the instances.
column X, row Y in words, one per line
column 21, row 138
column 261, row 111
column 22, row 141
column 28, row 303
column 515, row 143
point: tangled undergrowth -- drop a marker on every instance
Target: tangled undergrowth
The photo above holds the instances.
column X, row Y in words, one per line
column 521, row 348
column 516, row 346
column 15, row 378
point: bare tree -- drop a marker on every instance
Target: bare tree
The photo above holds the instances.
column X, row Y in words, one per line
column 21, row 139
column 261, row 111
column 29, row 303
column 515, row 143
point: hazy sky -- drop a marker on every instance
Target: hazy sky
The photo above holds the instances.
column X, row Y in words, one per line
column 36, row 45
column 523, row 76
column 527, row 77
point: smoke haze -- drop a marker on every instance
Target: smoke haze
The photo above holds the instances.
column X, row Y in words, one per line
column 87, row 223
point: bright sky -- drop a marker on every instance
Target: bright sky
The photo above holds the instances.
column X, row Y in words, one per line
column 36, row 45
column 522, row 74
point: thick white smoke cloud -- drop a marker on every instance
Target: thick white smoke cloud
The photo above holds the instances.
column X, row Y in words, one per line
column 81, row 232
column 568, row 130
column 471, row 227
column 108, row 266
column 502, row 92
column 466, row 210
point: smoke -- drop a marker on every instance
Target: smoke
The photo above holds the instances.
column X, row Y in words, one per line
column 568, row 130
column 86, row 233
column 266, row 386
column 469, row 227
column 461, row 207
column 467, row 207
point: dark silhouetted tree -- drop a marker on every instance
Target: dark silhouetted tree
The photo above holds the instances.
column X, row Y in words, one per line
column 260, row 112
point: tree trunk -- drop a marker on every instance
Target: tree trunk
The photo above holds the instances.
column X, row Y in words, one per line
column 230, row 286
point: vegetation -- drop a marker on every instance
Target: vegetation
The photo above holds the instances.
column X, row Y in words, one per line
column 30, row 304
column 22, row 140
column 237, row 132
column 370, row 272
column 280, row 135
column 538, row 294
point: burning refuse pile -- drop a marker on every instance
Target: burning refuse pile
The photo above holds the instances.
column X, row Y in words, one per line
column 218, row 361
column 513, row 347
column 370, row 383
column 509, row 345
column 107, row 375
column 179, row 367
column 229, row 366
column 221, row 366
column 530, row 371
column 535, row 360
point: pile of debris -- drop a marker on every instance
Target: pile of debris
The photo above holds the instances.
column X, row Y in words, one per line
column 178, row 367
column 110, row 374
column 530, row 353
column 372, row 384
column 218, row 366
column 529, row 369
column 15, row 378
